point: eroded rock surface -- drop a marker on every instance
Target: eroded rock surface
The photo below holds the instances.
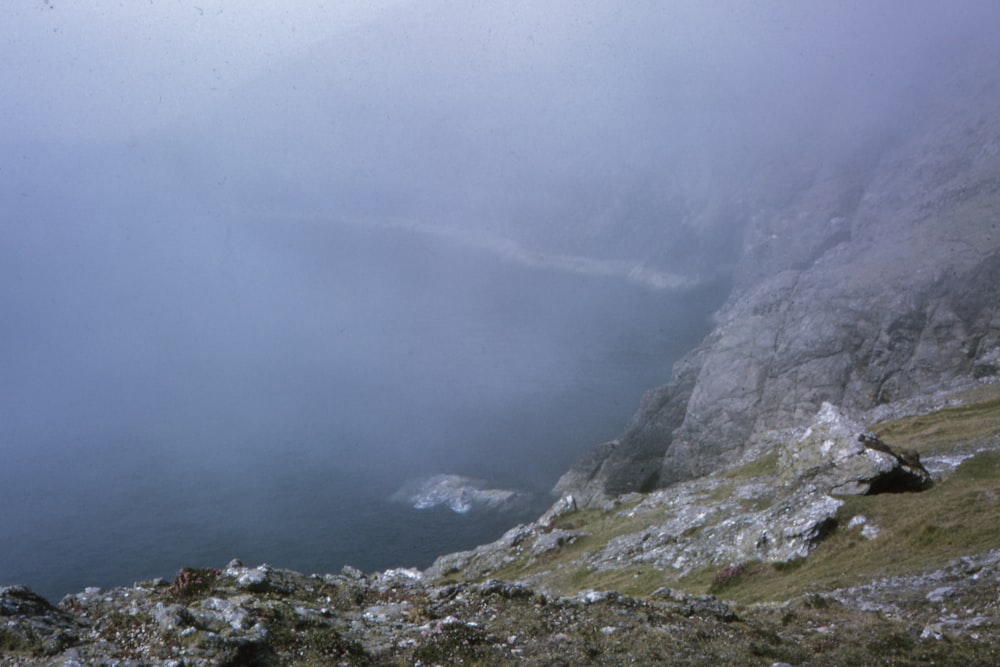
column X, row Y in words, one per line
column 837, row 454
column 774, row 508
column 861, row 288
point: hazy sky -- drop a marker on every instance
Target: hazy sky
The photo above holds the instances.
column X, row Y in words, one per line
column 578, row 121
column 153, row 151
column 91, row 69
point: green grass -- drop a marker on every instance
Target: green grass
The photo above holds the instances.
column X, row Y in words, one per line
column 959, row 515
column 975, row 421
column 635, row 580
column 763, row 466
column 918, row 532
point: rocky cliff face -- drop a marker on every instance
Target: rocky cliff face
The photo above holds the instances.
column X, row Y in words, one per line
column 874, row 280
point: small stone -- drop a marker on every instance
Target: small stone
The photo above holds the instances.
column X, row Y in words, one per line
column 869, row 532
column 555, row 539
column 563, row 506
column 590, row 597
column 255, row 580
column 939, row 594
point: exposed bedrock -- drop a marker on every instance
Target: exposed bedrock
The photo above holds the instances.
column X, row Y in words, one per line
column 875, row 283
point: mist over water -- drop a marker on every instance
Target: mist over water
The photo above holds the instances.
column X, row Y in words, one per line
column 261, row 391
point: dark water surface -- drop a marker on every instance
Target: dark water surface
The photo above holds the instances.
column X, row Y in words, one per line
column 211, row 389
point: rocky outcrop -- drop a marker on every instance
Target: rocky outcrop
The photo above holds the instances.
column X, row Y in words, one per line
column 837, row 455
column 29, row 624
column 633, row 461
column 873, row 282
column 397, row 617
column 774, row 506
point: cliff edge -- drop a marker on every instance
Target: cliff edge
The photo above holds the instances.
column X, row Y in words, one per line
column 874, row 281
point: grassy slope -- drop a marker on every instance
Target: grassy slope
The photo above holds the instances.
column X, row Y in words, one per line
column 959, row 515
column 917, row 532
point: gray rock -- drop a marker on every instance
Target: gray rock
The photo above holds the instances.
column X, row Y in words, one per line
column 171, row 617
column 30, row 624
column 838, row 456
column 698, row 530
column 861, row 288
column 22, row 601
column 217, row 614
column 695, row 605
column 555, row 539
column 486, row 558
column 251, row 579
column 562, row 507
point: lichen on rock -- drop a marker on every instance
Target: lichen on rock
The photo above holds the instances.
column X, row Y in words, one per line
column 837, row 455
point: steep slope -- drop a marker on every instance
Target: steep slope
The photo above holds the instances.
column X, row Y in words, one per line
column 890, row 578
column 874, row 282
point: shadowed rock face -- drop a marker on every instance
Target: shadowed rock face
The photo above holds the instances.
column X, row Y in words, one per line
column 866, row 287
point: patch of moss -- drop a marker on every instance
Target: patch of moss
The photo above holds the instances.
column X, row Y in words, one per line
column 762, row 466
column 17, row 643
column 316, row 646
column 730, row 575
column 458, row 642
column 983, row 466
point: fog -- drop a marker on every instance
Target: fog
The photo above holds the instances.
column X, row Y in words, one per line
column 291, row 255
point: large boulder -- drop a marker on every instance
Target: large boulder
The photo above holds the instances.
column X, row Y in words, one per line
column 30, row 625
column 836, row 455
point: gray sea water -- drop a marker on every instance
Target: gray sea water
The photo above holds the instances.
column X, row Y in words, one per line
column 217, row 390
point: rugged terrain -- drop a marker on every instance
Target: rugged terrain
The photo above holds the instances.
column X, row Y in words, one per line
column 816, row 548
column 818, row 483
column 872, row 282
